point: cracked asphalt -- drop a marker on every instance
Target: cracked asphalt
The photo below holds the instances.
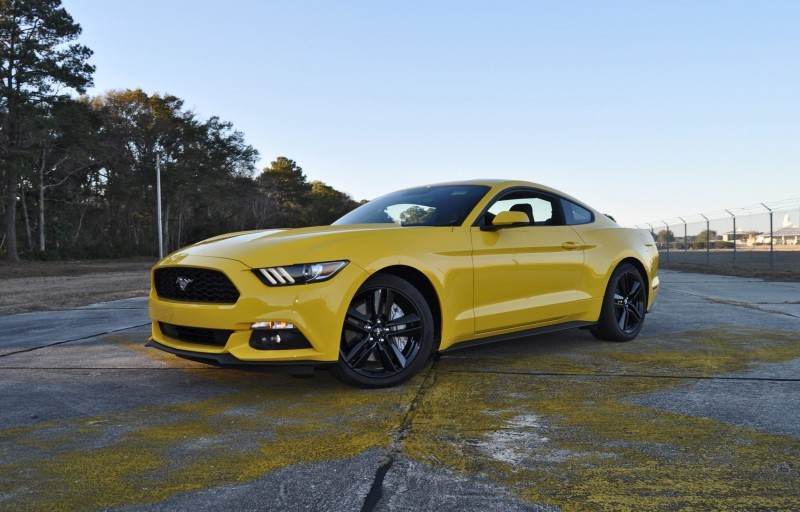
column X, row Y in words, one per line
column 701, row 411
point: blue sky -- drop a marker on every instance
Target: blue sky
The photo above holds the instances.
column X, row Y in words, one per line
column 645, row 110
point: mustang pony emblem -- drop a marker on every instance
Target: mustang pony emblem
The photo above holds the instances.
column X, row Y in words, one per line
column 183, row 282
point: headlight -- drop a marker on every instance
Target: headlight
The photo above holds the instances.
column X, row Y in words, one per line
column 303, row 273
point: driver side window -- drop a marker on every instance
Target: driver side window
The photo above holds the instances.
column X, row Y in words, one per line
column 540, row 209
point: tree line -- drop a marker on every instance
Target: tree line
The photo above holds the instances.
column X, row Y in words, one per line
column 79, row 172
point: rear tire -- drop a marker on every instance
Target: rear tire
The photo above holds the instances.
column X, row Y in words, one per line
column 387, row 335
column 624, row 305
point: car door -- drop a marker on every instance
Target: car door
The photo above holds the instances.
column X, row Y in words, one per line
column 525, row 275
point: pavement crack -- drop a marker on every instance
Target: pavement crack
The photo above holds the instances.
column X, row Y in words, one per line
column 90, row 336
column 396, row 447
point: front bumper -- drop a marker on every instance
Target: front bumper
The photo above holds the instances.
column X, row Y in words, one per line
column 317, row 310
column 227, row 360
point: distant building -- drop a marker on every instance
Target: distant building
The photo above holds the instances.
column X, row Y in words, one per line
column 760, row 239
column 741, row 236
column 788, row 234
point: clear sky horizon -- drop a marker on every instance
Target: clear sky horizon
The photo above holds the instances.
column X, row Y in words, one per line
column 644, row 110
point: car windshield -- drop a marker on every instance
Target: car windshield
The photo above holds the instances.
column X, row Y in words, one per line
column 446, row 205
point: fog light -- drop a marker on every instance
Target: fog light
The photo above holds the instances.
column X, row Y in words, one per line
column 283, row 336
column 272, row 325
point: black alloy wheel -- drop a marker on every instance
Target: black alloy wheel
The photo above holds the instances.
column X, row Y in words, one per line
column 387, row 335
column 624, row 305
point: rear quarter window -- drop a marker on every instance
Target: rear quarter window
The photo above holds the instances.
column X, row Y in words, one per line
column 576, row 214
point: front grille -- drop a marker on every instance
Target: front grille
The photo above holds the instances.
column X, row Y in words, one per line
column 194, row 285
column 216, row 337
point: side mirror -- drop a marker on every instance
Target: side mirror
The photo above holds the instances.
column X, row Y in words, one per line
column 508, row 220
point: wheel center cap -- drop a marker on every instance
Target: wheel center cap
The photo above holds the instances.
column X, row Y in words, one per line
column 377, row 331
column 625, row 301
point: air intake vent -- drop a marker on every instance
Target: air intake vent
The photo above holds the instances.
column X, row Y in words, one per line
column 216, row 337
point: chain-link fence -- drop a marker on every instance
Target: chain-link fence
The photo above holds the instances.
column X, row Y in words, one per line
column 764, row 236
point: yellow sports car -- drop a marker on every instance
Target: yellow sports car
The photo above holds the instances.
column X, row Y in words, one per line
column 421, row 270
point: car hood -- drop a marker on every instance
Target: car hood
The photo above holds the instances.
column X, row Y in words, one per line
column 289, row 246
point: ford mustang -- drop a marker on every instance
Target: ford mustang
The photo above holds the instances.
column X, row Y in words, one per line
column 374, row 295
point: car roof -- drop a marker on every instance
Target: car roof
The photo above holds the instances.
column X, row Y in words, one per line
column 494, row 183
column 499, row 184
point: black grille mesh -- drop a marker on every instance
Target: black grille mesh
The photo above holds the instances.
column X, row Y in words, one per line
column 194, row 285
column 216, row 337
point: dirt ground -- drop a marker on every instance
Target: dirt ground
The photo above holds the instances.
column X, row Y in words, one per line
column 52, row 285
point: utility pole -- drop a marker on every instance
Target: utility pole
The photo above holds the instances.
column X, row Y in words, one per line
column 685, row 240
column 771, row 240
column 158, row 200
column 708, row 240
column 734, row 236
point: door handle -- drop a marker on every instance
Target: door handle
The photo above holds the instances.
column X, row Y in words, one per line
column 571, row 246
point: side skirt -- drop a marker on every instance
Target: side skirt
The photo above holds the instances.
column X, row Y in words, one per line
column 519, row 334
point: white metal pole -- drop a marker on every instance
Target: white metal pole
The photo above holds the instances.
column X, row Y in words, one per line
column 158, row 199
column 708, row 240
column 734, row 236
column 771, row 240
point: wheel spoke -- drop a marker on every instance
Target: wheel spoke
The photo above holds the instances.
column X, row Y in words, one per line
column 353, row 312
column 634, row 313
column 362, row 358
column 389, row 364
column 623, row 318
column 636, row 289
column 623, row 285
column 388, row 302
column 375, row 303
column 357, row 353
column 407, row 331
column 408, row 319
column 356, row 321
column 398, row 354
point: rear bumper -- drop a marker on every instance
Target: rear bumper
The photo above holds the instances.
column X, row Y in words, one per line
column 653, row 295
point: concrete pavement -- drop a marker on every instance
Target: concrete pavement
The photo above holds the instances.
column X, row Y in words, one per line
column 700, row 411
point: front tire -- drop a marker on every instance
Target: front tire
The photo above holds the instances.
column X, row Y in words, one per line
column 624, row 305
column 387, row 334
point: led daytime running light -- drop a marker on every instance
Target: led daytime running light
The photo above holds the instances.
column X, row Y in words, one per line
column 303, row 273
